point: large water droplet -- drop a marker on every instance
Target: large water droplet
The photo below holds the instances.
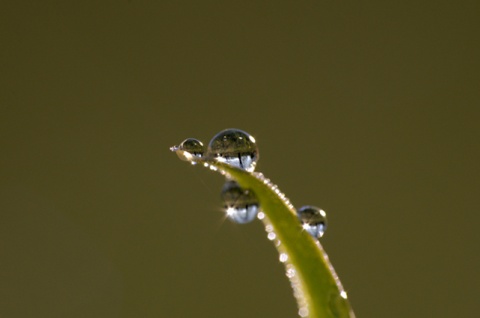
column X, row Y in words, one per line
column 234, row 147
column 240, row 205
column 189, row 150
column 314, row 220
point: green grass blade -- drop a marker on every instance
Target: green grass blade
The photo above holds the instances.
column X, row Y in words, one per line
column 323, row 294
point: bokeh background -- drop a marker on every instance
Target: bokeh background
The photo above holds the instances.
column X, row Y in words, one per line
column 369, row 110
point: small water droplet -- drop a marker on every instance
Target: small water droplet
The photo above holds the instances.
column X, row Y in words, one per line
column 283, row 257
column 314, row 220
column 235, row 147
column 261, row 215
column 303, row 312
column 271, row 236
column 290, row 273
column 189, row 150
column 240, row 205
column 259, row 175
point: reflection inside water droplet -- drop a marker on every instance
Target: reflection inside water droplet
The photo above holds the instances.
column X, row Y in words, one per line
column 189, row 150
column 235, row 147
column 314, row 220
column 241, row 206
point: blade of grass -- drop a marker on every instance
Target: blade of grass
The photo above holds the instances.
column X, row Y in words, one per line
column 322, row 291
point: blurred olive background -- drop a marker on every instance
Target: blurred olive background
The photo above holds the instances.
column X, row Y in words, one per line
column 367, row 110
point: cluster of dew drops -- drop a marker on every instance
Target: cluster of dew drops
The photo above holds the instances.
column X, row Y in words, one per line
column 239, row 149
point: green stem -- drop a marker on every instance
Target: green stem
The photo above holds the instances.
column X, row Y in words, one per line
column 323, row 294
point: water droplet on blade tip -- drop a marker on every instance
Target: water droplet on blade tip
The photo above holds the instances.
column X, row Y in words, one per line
column 189, row 150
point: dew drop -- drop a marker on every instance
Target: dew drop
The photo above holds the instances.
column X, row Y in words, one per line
column 283, row 257
column 303, row 312
column 290, row 273
column 189, row 150
column 314, row 220
column 235, row 147
column 241, row 206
